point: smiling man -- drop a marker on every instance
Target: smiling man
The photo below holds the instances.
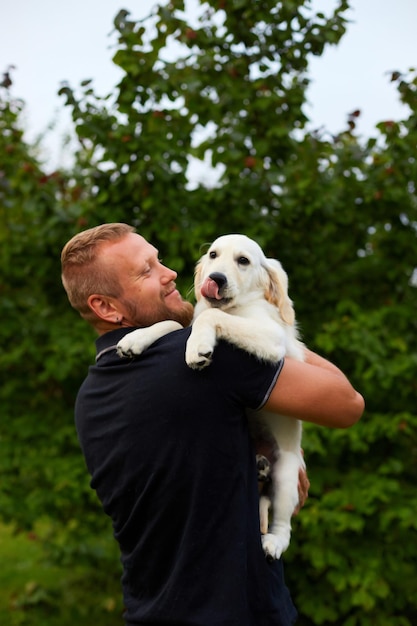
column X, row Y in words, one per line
column 168, row 447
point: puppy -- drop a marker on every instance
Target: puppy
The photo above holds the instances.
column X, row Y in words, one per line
column 242, row 297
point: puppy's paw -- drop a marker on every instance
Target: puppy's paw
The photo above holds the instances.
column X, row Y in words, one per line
column 271, row 354
column 198, row 356
column 270, row 348
column 133, row 343
column 278, row 352
column 200, row 347
column 273, row 546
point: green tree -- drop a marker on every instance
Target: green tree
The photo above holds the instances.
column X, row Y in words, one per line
column 228, row 90
column 354, row 209
column 44, row 487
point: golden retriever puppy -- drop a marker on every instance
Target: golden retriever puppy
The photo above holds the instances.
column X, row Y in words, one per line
column 242, row 297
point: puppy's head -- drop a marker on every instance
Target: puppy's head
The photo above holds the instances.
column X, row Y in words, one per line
column 235, row 269
column 230, row 271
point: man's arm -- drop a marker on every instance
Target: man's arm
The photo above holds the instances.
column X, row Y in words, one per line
column 315, row 391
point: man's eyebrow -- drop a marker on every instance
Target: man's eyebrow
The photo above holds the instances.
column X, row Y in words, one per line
column 154, row 255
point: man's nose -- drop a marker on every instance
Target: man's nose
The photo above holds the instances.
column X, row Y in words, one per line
column 168, row 274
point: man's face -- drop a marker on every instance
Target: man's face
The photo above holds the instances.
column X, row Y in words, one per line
column 148, row 288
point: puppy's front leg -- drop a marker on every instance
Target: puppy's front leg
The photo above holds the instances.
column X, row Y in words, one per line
column 138, row 340
column 264, row 339
column 287, row 433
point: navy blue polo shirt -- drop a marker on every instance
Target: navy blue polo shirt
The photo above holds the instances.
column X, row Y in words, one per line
column 172, row 462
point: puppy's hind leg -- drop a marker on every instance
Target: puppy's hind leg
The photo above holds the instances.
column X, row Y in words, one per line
column 285, row 485
column 285, row 500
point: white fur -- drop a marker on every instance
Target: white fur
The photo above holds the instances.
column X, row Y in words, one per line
column 138, row 340
column 253, row 311
column 255, row 314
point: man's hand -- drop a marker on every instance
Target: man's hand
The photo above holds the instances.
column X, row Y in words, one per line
column 303, row 487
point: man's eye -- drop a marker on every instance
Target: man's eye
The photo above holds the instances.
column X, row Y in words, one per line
column 242, row 260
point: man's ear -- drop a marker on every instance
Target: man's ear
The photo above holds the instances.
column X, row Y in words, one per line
column 104, row 308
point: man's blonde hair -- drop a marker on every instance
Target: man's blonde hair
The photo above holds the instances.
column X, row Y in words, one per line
column 82, row 274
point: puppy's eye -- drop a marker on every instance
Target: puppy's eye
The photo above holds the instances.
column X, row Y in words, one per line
column 212, row 254
column 242, row 260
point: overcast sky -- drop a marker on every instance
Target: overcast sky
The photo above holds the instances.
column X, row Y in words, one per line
column 49, row 42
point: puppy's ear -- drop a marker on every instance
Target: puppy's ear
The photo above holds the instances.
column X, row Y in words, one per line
column 277, row 291
column 197, row 279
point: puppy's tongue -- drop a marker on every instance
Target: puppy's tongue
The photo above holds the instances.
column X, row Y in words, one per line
column 210, row 289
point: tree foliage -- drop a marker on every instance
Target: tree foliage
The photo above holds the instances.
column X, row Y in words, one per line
column 44, row 486
column 228, row 89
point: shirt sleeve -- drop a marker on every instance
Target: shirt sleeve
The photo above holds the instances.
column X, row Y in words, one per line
column 248, row 378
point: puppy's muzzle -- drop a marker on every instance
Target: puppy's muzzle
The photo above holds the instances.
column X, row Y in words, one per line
column 214, row 288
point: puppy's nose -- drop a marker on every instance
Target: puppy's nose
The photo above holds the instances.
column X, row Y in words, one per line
column 219, row 279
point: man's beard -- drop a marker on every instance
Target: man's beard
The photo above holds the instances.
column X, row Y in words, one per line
column 183, row 314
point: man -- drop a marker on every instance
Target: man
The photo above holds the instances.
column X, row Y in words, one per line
column 168, row 447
